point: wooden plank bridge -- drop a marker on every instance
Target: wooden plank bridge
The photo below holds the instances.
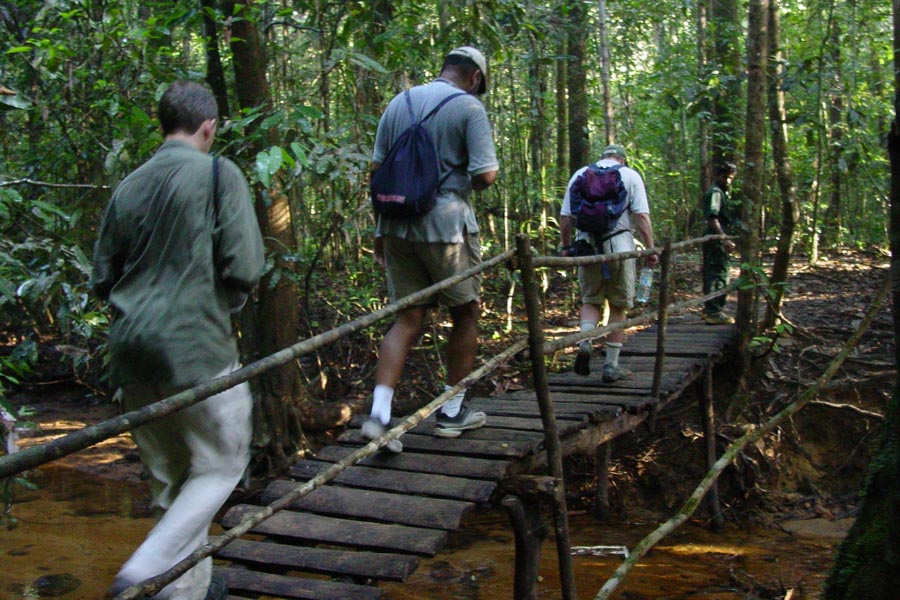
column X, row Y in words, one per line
column 377, row 519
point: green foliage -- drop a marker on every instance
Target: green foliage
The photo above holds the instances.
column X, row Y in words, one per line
column 87, row 78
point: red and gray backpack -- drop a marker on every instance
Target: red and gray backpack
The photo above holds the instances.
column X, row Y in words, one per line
column 597, row 198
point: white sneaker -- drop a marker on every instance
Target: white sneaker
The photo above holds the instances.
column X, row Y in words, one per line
column 373, row 429
column 451, row 427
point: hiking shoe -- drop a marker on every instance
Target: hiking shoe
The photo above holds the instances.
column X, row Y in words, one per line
column 613, row 373
column 718, row 319
column 451, row 427
column 583, row 361
column 373, row 429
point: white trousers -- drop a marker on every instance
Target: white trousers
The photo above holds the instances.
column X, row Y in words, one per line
column 195, row 458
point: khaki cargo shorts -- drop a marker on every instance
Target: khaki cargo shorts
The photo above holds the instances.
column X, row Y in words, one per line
column 618, row 289
column 414, row 266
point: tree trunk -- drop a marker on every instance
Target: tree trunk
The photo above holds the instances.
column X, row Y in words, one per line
column 868, row 561
column 832, row 235
column 706, row 171
column 754, row 166
column 608, row 111
column 790, row 208
column 277, row 426
column 579, row 150
column 726, row 46
column 562, row 116
column 215, row 74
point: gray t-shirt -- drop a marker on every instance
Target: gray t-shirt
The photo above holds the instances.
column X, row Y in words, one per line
column 465, row 147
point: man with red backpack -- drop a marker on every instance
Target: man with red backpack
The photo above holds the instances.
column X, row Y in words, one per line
column 611, row 282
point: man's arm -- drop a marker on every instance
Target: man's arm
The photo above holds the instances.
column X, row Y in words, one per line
column 645, row 231
column 716, row 226
column 483, row 181
column 566, row 226
column 107, row 264
column 239, row 248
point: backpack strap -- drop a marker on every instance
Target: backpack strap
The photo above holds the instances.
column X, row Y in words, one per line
column 431, row 113
column 215, row 191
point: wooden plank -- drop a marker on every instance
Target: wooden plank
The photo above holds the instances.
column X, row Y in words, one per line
column 461, row 445
column 650, row 350
column 343, row 563
column 440, row 486
column 492, row 433
column 310, row 528
column 528, row 406
column 521, row 428
column 418, row 511
column 486, row 435
column 588, row 413
column 282, row 586
column 622, row 403
column 462, row 466
column 634, row 384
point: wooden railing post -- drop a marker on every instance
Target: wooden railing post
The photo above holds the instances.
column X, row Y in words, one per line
column 708, row 417
column 662, row 322
column 601, row 497
column 551, row 434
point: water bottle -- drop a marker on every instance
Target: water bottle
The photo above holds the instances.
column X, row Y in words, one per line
column 645, row 282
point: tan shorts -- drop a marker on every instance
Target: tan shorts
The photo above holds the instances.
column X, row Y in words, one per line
column 414, row 266
column 618, row 289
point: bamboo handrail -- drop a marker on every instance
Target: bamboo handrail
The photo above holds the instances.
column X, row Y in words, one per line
column 37, row 455
column 154, row 584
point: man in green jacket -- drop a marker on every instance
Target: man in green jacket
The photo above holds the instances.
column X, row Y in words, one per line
column 179, row 252
column 722, row 217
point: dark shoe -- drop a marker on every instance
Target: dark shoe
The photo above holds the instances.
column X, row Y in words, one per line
column 582, row 361
column 373, row 429
column 451, row 427
column 718, row 319
column 613, row 373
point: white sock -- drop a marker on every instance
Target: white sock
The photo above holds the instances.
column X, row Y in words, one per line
column 612, row 353
column 381, row 403
column 586, row 345
column 452, row 406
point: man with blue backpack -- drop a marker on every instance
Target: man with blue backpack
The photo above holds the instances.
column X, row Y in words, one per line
column 434, row 145
column 603, row 202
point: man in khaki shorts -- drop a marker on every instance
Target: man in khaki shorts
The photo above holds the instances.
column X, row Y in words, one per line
column 417, row 252
column 611, row 282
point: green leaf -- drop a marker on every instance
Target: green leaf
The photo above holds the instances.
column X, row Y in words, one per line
column 19, row 49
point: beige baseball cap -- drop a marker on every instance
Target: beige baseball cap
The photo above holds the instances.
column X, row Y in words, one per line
column 476, row 57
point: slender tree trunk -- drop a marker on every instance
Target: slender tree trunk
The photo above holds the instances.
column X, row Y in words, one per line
column 790, row 208
column 831, row 220
column 727, row 56
column 609, row 116
column 562, row 116
column 868, row 562
column 706, row 171
column 754, row 166
column 215, row 73
column 579, row 149
column 277, row 430
column 816, row 189
column 537, row 87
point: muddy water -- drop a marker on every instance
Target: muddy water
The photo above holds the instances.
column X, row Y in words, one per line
column 75, row 532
